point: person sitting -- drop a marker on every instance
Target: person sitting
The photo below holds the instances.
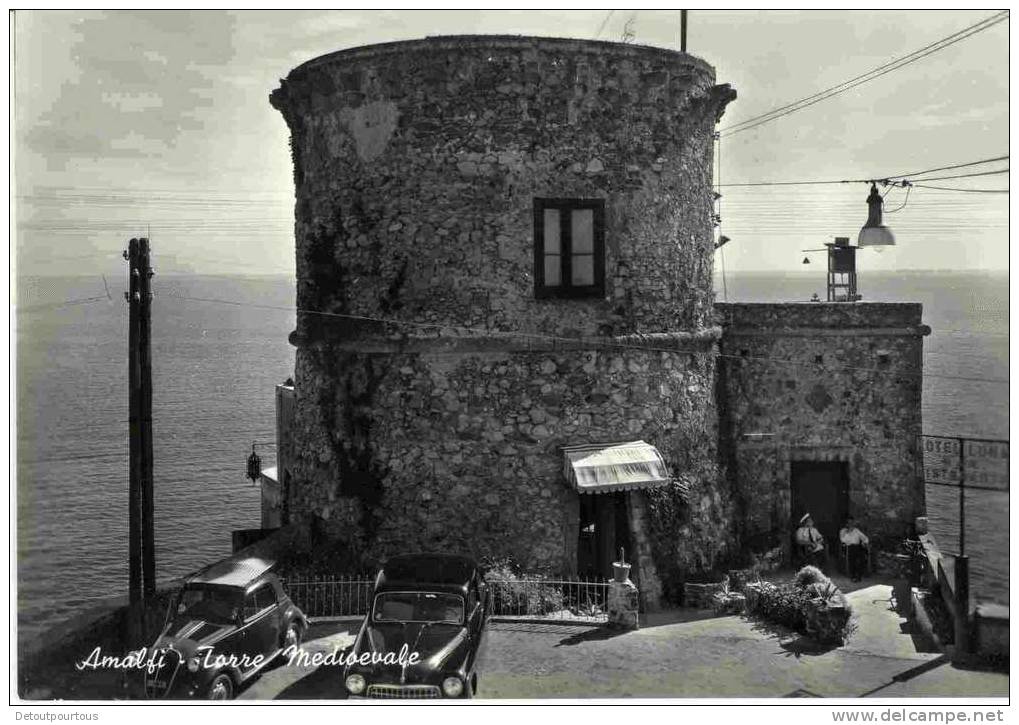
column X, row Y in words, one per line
column 856, row 543
column 810, row 542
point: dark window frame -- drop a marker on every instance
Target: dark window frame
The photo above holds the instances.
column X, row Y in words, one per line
column 565, row 289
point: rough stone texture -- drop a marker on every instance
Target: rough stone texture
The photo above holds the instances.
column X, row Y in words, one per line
column 416, row 166
column 623, row 605
column 702, row 596
column 823, row 382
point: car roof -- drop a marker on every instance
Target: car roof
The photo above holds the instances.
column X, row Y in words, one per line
column 448, row 572
column 233, row 571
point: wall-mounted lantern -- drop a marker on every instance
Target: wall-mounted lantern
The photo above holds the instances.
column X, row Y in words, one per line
column 254, row 465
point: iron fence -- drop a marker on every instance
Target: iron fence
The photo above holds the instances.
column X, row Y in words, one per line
column 558, row 599
column 330, row 595
column 546, row 599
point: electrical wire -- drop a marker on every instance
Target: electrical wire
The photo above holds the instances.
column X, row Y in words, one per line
column 969, row 191
column 604, row 22
column 873, row 74
column 949, row 168
column 555, row 339
column 905, row 201
column 966, row 176
column 66, row 303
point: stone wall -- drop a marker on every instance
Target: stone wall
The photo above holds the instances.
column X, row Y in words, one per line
column 462, row 450
column 822, row 382
column 417, row 165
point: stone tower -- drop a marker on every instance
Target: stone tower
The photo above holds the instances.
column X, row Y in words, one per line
column 511, row 238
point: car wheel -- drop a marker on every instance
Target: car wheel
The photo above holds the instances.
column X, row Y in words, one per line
column 221, row 688
column 292, row 637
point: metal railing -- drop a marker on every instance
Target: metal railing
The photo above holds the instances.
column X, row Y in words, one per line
column 536, row 598
column 557, row 599
column 330, row 595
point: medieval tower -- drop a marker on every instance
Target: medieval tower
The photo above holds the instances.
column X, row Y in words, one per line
column 505, row 337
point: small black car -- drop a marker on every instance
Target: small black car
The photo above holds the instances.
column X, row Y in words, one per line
column 225, row 624
column 423, row 633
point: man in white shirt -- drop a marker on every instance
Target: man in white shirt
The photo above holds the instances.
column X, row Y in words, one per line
column 810, row 542
column 856, row 543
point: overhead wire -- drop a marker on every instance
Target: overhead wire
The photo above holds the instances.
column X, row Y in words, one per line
column 601, row 28
column 873, row 74
column 949, row 168
column 968, row 191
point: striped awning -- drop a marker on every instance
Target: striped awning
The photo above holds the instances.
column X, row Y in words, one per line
column 604, row 468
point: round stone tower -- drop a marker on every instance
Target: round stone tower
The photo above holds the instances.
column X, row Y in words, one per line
column 504, row 249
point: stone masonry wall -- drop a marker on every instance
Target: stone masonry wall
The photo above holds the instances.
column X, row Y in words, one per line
column 464, row 448
column 823, row 382
column 416, row 167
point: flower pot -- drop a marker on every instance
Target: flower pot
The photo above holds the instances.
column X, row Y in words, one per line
column 620, row 572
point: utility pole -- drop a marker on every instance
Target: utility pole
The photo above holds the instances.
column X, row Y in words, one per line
column 134, row 375
column 145, row 359
column 962, row 645
column 141, row 528
column 682, row 30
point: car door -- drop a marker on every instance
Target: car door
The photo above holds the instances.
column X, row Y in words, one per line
column 261, row 621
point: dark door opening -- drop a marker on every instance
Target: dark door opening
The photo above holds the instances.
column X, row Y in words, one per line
column 822, row 490
column 604, row 528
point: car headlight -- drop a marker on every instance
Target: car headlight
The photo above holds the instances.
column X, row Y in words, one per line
column 194, row 663
column 452, row 687
column 355, row 684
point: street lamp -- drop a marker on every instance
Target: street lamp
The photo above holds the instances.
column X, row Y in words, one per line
column 874, row 233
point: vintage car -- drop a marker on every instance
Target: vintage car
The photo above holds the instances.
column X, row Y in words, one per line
column 423, row 633
column 223, row 627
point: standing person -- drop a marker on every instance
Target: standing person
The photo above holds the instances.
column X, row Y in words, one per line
column 856, row 543
column 810, row 542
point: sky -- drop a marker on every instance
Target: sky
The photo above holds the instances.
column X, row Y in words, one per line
column 158, row 123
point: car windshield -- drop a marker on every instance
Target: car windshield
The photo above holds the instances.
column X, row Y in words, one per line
column 210, row 604
column 419, row 607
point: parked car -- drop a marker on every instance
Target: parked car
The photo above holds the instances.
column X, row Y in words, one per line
column 223, row 627
column 432, row 609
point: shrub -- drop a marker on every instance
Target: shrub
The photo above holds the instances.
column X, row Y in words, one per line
column 810, row 575
column 521, row 595
column 817, row 608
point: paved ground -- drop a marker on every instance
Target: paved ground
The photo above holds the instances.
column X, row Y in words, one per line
column 684, row 654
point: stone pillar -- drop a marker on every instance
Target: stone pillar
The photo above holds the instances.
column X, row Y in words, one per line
column 623, row 605
column 647, row 573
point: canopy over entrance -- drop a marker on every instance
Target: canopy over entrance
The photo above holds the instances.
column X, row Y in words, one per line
column 608, row 467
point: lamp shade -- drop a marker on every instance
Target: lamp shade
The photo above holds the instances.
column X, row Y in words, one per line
column 874, row 233
column 875, row 237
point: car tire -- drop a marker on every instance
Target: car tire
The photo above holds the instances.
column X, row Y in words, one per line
column 221, row 687
column 293, row 635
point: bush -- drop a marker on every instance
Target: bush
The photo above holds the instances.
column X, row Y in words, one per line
column 521, row 595
column 810, row 575
column 812, row 605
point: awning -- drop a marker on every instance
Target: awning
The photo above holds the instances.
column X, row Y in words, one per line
column 609, row 467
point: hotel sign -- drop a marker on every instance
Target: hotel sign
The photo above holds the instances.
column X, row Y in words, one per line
column 984, row 462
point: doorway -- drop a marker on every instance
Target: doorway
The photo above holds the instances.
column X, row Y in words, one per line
column 822, row 490
column 604, row 528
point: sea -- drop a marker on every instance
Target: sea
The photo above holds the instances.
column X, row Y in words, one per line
column 220, row 346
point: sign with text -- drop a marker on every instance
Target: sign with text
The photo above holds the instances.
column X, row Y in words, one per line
column 984, row 463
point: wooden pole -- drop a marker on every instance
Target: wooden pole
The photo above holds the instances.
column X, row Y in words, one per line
column 682, row 30
column 962, row 497
column 134, row 586
column 962, row 564
column 145, row 358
